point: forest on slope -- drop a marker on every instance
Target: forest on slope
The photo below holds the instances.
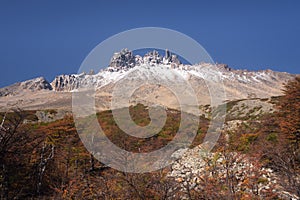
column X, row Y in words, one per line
column 48, row 160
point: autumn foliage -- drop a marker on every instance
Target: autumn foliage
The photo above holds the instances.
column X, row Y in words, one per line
column 49, row 161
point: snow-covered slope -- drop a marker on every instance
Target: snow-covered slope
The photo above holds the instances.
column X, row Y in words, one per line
column 238, row 84
column 124, row 62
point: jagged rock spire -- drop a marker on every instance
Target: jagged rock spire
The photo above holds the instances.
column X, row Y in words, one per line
column 122, row 59
column 167, row 54
column 125, row 59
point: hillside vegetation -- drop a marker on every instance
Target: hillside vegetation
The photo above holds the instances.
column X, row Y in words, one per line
column 47, row 160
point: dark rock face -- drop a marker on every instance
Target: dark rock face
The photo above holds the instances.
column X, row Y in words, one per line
column 33, row 85
column 175, row 60
column 170, row 59
column 121, row 60
column 65, row 83
column 152, row 58
column 167, row 54
column 125, row 60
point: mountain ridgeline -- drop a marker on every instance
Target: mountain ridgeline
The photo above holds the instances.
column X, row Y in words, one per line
column 238, row 84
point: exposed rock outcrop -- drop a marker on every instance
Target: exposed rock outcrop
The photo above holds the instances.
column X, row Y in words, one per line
column 122, row 60
column 65, row 83
column 125, row 59
column 36, row 84
column 196, row 169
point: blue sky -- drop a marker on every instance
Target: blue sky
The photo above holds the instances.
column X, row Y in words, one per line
column 48, row 38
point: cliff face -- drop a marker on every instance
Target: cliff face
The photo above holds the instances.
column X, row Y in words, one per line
column 65, row 83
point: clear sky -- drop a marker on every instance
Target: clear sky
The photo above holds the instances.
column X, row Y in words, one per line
column 48, row 38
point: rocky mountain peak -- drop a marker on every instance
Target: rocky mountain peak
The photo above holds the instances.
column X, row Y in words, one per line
column 238, row 84
column 121, row 60
column 39, row 83
column 33, row 85
column 152, row 57
column 125, row 59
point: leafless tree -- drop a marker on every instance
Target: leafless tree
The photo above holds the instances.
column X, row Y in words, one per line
column 47, row 154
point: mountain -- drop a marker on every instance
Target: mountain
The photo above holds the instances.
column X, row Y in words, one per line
column 36, row 84
column 238, row 84
column 254, row 158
